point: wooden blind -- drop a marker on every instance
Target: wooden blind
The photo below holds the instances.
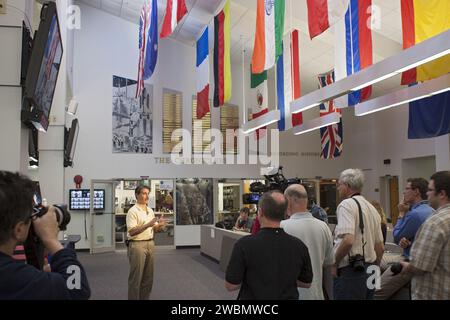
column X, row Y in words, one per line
column 198, row 144
column 172, row 117
column 229, row 119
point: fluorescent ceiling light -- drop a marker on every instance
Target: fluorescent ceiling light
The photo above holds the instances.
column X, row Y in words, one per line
column 261, row 121
column 317, row 123
column 414, row 56
column 405, row 95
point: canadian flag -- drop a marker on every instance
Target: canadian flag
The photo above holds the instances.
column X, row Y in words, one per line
column 175, row 11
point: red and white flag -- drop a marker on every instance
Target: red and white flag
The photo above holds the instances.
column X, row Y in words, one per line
column 175, row 11
column 322, row 14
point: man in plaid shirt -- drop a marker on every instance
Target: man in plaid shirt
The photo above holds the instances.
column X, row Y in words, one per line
column 430, row 253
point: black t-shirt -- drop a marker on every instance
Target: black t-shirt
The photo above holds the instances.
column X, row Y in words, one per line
column 268, row 264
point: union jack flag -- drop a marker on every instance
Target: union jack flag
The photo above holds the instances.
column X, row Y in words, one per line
column 332, row 136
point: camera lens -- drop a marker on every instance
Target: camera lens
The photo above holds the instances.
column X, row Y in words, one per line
column 62, row 216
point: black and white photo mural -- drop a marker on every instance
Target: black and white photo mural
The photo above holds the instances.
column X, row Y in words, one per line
column 194, row 201
column 132, row 117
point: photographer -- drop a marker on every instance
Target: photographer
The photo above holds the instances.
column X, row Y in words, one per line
column 22, row 281
column 358, row 242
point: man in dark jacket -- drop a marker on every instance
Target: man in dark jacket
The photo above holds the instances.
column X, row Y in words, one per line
column 67, row 279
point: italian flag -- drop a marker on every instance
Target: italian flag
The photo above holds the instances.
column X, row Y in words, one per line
column 269, row 34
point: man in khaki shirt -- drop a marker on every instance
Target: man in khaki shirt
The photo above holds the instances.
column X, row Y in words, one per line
column 141, row 224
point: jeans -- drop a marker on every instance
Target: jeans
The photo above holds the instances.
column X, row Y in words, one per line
column 352, row 285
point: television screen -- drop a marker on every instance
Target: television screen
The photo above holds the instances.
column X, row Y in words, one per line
column 37, row 197
column 43, row 69
column 70, row 143
column 79, row 199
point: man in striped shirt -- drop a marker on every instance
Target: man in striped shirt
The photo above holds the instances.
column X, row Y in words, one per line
column 430, row 253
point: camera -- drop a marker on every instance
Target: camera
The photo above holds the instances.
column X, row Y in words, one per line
column 61, row 212
column 357, row 262
column 34, row 249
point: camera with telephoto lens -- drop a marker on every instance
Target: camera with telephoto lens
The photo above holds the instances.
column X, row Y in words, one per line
column 34, row 249
column 61, row 212
column 357, row 262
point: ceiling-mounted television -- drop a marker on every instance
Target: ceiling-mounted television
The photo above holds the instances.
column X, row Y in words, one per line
column 43, row 69
column 70, row 142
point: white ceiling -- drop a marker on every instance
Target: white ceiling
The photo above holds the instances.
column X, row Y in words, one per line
column 316, row 56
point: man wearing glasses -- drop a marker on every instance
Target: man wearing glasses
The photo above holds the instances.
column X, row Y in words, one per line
column 413, row 212
column 430, row 252
column 22, row 281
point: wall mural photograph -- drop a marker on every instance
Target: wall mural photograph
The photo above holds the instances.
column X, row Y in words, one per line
column 194, row 200
column 132, row 117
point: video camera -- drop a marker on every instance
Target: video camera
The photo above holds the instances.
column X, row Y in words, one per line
column 34, row 249
column 275, row 181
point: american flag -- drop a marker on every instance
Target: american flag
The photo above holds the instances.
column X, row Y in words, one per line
column 143, row 31
column 332, row 136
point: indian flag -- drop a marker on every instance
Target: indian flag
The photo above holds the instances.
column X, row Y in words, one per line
column 269, row 34
column 423, row 19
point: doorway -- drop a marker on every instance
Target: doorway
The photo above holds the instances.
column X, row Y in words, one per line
column 389, row 197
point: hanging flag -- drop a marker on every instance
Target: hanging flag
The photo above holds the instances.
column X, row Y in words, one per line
column 429, row 117
column 222, row 57
column 323, row 14
column 288, row 81
column 269, row 34
column 259, row 98
column 353, row 48
column 175, row 11
column 423, row 19
column 148, row 43
column 331, row 137
column 202, row 75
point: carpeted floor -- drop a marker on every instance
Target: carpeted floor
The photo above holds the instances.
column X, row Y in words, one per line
column 181, row 274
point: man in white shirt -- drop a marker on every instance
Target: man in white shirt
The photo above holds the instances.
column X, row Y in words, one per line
column 314, row 233
column 351, row 244
column 141, row 223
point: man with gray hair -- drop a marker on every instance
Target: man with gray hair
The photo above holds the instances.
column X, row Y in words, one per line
column 314, row 233
column 358, row 238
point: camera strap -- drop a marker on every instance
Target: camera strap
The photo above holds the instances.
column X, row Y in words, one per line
column 361, row 224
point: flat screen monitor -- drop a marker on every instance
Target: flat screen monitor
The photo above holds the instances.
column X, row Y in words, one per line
column 79, row 199
column 70, row 143
column 37, row 197
column 43, row 69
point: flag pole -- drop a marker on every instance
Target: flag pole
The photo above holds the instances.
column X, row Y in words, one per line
column 244, row 111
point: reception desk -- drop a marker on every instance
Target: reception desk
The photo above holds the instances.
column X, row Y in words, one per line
column 218, row 243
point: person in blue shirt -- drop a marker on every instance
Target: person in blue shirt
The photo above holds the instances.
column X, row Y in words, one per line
column 413, row 212
column 318, row 212
column 19, row 281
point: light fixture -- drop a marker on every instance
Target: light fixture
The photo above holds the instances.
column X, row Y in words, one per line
column 405, row 95
column 428, row 50
column 262, row 121
column 72, row 107
column 317, row 123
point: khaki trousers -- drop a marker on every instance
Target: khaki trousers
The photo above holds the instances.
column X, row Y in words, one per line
column 140, row 279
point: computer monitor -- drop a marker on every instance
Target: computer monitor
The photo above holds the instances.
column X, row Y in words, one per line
column 43, row 70
column 79, row 199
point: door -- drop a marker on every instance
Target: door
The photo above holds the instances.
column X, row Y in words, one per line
column 393, row 196
column 102, row 214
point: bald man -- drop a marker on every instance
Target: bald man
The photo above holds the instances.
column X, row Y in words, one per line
column 271, row 264
column 315, row 234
